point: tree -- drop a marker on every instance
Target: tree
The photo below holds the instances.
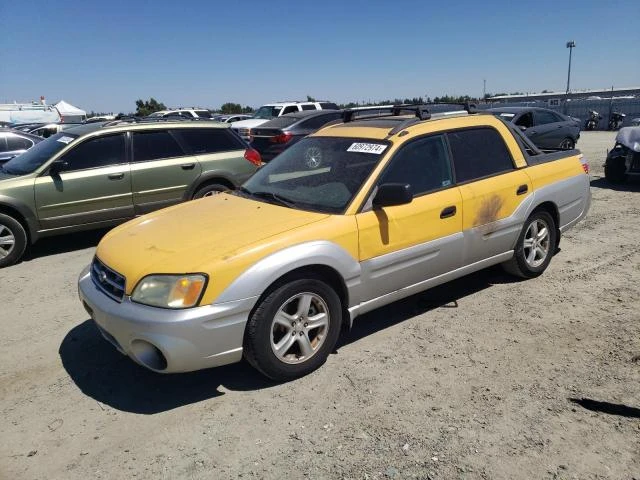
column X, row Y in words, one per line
column 230, row 107
column 144, row 109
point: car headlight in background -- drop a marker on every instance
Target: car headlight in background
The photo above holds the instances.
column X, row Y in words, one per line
column 170, row 291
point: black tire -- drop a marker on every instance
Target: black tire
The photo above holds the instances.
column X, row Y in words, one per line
column 524, row 264
column 11, row 230
column 210, row 189
column 567, row 144
column 262, row 329
column 615, row 170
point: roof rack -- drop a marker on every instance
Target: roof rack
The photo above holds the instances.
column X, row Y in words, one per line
column 421, row 111
column 175, row 118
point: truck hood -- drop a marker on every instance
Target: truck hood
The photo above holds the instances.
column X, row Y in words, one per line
column 190, row 236
column 248, row 123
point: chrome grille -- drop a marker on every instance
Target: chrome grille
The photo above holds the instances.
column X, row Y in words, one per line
column 107, row 280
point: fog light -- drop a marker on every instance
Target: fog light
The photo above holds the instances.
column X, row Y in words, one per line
column 148, row 355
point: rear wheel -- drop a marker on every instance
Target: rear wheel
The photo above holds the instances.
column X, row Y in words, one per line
column 535, row 247
column 567, row 144
column 209, row 190
column 13, row 240
column 294, row 329
column 615, row 170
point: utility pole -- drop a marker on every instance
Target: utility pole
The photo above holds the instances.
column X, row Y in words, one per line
column 484, row 89
column 570, row 45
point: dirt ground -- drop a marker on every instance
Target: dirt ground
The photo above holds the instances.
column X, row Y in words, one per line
column 482, row 378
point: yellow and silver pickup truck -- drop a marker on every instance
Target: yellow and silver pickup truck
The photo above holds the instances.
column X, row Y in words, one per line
column 356, row 216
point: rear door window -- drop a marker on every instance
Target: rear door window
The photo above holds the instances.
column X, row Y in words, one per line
column 478, row 153
column 203, row 113
column 308, row 107
column 155, row 145
column 543, row 118
column 208, row 140
column 97, row 152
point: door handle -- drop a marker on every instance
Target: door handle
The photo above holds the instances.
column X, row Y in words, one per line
column 116, row 176
column 188, row 166
column 522, row 189
column 448, row 212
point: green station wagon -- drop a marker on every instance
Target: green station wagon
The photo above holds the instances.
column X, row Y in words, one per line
column 99, row 175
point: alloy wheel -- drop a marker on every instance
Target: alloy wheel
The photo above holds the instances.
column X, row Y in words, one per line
column 7, row 241
column 299, row 328
column 537, row 242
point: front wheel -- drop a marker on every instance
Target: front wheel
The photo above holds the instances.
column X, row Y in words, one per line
column 293, row 329
column 535, row 246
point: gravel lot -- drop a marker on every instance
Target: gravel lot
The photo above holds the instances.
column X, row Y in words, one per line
column 485, row 377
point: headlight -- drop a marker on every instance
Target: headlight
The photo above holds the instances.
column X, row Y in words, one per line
column 170, row 291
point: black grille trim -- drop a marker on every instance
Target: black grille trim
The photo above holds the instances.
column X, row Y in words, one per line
column 108, row 280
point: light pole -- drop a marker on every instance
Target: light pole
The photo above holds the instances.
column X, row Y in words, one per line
column 570, row 45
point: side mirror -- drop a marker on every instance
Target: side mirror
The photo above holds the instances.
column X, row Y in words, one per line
column 57, row 167
column 390, row 194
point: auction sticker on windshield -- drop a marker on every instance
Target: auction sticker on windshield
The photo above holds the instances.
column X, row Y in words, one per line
column 374, row 148
column 66, row 140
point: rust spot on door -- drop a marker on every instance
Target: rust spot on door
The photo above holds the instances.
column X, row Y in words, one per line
column 489, row 210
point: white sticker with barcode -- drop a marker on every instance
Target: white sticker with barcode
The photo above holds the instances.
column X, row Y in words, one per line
column 66, row 140
column 374, row 148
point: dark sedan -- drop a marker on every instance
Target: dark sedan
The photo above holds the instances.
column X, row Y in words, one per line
column 545, row 128
column 14, row 142
column 274, row 136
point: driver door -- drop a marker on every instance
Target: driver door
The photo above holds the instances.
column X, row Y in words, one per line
column 403, row 245
column 94, row 185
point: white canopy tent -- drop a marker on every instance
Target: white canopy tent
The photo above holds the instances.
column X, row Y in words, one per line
column 69, row 113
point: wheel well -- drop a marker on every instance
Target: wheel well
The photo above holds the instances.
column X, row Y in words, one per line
column 12, row 212
column 320, row 272
column 211, row 181
column 552, row 210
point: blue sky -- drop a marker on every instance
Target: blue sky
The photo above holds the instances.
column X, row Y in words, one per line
column 104, row 55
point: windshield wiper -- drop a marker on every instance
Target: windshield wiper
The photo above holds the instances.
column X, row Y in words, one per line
column 286, row 202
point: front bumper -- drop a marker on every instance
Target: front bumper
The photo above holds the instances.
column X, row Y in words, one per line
column 165, row 340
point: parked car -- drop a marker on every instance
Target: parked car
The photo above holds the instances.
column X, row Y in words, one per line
column 13, row 143
column 26, row 127
column 351, row 218
column 46, row 130
column 98, row 175
column 183, row 112
column 230, row 118
column 623, row 160
column 274, row 136
column 546, row 128
column 273, row 110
